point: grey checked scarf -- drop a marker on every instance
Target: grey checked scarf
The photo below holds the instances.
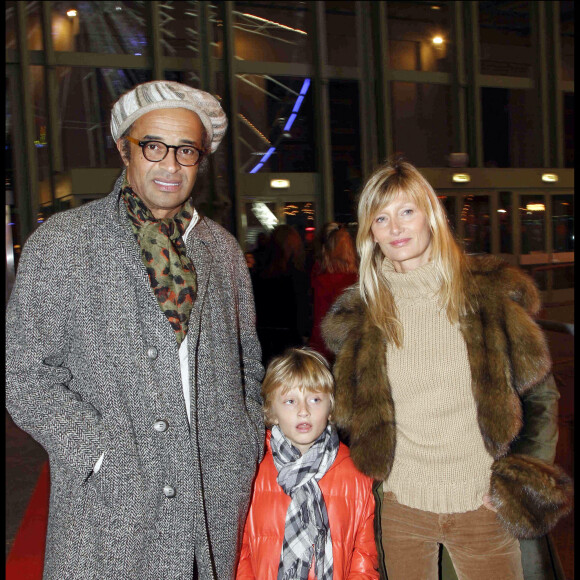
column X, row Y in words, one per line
column 307, row 531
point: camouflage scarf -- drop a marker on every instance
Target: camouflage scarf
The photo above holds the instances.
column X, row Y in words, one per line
column 171, row 273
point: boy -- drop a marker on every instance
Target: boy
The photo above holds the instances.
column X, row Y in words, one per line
column 312, row 512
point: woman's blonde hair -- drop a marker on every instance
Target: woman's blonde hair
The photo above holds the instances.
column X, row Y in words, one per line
column 385, row 184
column 339, row 253
column 297, row 368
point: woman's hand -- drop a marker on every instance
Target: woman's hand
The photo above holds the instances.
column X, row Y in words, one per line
column 487, row 503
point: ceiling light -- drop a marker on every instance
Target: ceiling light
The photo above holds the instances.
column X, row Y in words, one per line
column 438, row 40
column 71, row 13
column 461, row 177
column 502, row 211
column 279, row 183
column 536, row 207
column 549, row 177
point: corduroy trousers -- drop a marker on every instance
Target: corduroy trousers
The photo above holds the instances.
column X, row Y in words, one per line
column 479, row 547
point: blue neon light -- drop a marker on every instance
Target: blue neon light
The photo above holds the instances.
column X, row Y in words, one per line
column 297, row 104
column 291, row 119
column 289, row 122
column 257, row 168
column 268, row 153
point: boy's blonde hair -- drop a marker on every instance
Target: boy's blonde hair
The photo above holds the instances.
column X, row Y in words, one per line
column 297, row 368
column 385, row 184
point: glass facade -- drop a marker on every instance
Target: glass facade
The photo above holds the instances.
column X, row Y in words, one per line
column 507, row 115
column 505, row 39
column 567, row 40
column 100, row 27
column 568, row 122
column 344, row 99
column 317, row 95
column 505, row 212
column 276, row 123
column 476, row 215
column 86, row 97
column 420, row 36
column 273, row 31
column 563, row 223
column 533, row 220
column 341, row 42
column 34, row 25
column 418, row 109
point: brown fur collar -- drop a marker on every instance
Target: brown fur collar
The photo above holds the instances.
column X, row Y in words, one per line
column 508, row 356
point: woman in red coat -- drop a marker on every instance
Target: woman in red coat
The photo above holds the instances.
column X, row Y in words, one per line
column 335, row 505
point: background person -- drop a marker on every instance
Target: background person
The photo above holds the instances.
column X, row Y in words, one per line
column 281, row 291
column 336, row 271
column 132, row 358
column 307, row 492
column 443, row 387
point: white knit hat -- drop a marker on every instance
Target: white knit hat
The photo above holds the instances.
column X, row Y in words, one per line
column 169, row 95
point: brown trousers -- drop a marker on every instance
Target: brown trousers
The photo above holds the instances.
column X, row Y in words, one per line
column 479, row 547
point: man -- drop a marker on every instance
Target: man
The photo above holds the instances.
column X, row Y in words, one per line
column 132, row 358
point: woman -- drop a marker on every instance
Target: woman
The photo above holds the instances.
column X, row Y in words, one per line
column 336, row 270
column 443, row 387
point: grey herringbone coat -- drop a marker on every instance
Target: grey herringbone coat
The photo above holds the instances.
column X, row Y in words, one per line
column 92, row 364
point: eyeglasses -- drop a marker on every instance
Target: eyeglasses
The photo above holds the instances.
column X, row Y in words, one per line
column 155, row 151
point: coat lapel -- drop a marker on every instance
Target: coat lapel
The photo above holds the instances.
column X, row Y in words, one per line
column 200, row 246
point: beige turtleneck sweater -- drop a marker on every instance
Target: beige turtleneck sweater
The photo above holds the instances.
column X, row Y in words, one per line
column 441, row 464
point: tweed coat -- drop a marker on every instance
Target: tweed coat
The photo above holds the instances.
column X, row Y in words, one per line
column 92, row 364
column 515, row 395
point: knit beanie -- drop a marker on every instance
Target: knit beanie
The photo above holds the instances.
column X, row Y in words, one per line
column 155, row 95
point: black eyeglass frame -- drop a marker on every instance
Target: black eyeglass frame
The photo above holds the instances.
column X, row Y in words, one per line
column 142, row 144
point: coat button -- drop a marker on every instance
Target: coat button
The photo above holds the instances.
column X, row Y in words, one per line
column 160, row 425
column 169, row 491
column 152, row 353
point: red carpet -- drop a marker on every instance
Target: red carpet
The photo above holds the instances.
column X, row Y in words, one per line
column 26, row 558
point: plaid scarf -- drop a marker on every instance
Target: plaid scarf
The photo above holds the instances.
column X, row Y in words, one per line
column 307, row 531
column 171, row 273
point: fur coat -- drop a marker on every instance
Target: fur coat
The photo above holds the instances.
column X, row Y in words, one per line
column 510, row 365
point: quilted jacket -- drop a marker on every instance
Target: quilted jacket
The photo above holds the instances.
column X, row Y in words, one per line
column 350, row 506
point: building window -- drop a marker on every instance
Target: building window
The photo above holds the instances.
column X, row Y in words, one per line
column 422, row 122
column 100, row 27
column 276, row 123
column 179, row 28
column 86, row 97
column 505, row 39
column 504, row 218
column 568, row 112
column 341, row 34
column 477, row 225
column 563, row 223
column 533, row 227
column 34, row 38
column 567, row 40
column 10, row 25
column 511, row 131
column 448, row 203
column 420, row 36
column 345, row 147
column 273, row 31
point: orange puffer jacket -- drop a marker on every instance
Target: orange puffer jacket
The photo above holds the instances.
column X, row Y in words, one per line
column 350, row 506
